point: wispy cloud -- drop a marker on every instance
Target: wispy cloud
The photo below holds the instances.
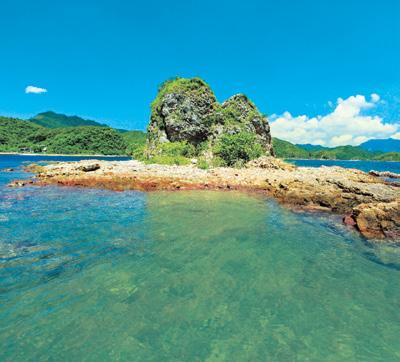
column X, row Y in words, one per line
column 345, row 125
column 35, row 90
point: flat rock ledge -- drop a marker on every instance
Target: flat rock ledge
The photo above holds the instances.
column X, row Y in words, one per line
column 365, row 201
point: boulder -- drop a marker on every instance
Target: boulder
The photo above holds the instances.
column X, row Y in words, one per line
column 378, row 220
column 89, row 167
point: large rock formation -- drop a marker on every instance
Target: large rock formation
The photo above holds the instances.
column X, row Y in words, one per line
column 182, row 111
column 187, row 110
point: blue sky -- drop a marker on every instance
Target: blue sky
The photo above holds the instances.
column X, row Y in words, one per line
column 104, row 59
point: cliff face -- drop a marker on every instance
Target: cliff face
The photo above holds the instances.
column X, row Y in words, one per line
column 187, row 110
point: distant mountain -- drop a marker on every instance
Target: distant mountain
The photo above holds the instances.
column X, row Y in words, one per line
column 310, row 147
column 384, row 145
column 57, row 120
column 285, row 149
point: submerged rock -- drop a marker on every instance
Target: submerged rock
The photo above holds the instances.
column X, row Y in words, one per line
column 20, row 183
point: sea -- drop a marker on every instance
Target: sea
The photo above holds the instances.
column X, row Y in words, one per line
column 97, row 275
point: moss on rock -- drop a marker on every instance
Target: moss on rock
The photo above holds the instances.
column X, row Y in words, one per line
column 186, row 110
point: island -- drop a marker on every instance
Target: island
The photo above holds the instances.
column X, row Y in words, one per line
column 195, row 143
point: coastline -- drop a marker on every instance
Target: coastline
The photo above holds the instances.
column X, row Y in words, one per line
column 111, row 156
column 59, row 154
column 366, row 202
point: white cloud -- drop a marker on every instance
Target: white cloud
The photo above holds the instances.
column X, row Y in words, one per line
column 35, row 90
column 345, row 125
column 375, row 97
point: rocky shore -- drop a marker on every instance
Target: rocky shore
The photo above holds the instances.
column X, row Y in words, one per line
column 365, row 201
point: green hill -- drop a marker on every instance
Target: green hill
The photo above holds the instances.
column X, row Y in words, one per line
column 24, row 136
column 57, row 120
column 345, row 153
column 285, row 149
column 17, row 135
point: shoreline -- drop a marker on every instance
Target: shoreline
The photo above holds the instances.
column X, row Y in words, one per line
column 57, row 154
column 366, row 202
column 98, row 155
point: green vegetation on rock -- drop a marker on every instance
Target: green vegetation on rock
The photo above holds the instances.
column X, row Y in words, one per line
column 237, row 149
column 135, row 141
column 186, row 110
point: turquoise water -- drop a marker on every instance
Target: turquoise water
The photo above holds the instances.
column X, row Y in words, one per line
column 95, row 275
column 361, row 165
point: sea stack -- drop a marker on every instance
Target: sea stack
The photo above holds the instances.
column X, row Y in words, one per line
column 187, row 110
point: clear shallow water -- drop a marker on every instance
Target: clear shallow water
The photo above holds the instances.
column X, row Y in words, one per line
column 97, row 275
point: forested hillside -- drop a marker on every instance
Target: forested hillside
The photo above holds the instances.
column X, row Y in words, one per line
column 23, row 136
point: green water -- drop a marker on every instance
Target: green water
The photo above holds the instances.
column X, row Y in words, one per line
column 189, row 276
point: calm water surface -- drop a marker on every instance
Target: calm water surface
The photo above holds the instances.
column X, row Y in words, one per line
column 360, row 165
column 93, row 275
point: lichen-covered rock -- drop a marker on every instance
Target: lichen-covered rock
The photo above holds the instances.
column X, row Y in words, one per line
column 239, row 114
column 182, row 112
column 187, row 110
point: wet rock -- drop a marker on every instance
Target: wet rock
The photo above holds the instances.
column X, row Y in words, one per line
column 349, row 220
column 378, row 220
column 385, row 174
column 20, row 183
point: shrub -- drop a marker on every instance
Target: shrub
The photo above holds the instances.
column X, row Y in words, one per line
column 177, row 149
column 203, row 164
column 237, row 149
column 168, row 160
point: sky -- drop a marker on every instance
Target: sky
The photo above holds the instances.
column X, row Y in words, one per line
column 325, row 72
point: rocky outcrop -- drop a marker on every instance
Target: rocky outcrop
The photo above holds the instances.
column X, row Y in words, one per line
column 385, row 174
column 369, row 203
column 377, row 220
column 182, row 112
column 239, row 114
column 187, row 110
